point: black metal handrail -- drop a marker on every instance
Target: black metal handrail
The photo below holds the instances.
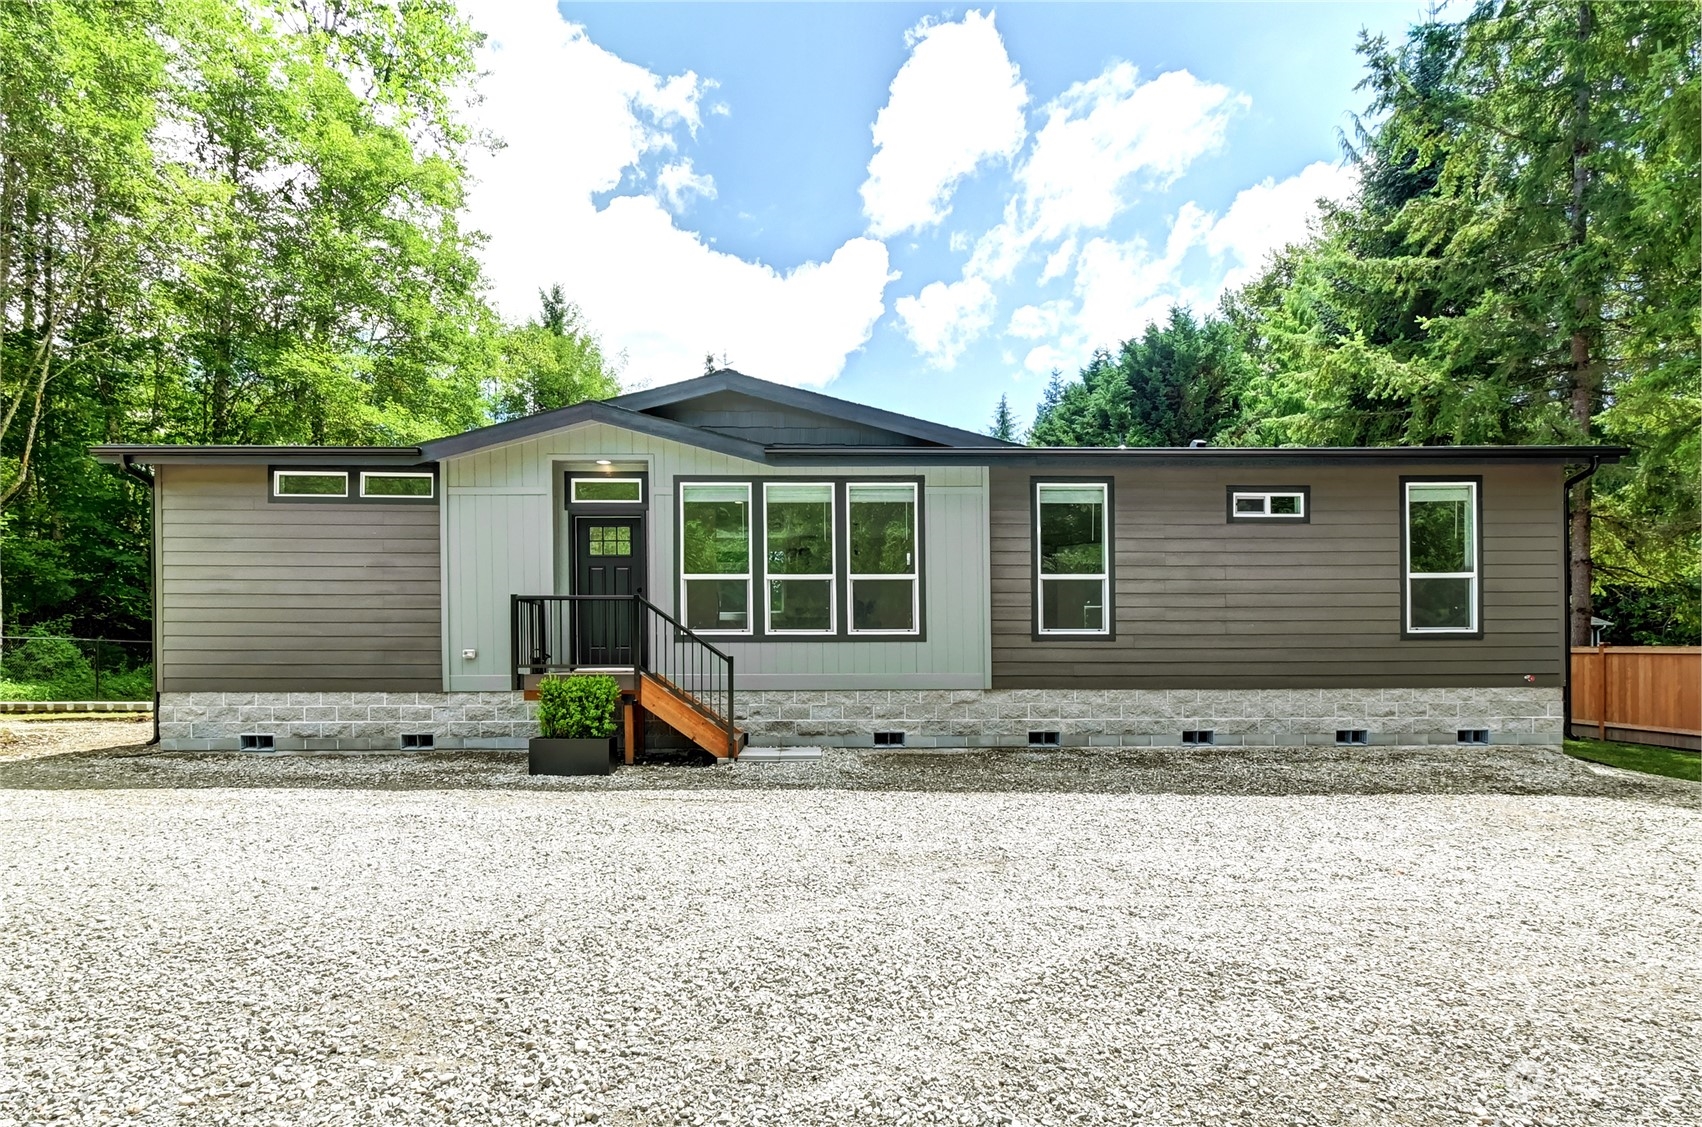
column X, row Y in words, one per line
column 572, row 633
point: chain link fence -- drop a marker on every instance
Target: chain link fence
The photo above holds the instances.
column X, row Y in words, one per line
column 55, row 667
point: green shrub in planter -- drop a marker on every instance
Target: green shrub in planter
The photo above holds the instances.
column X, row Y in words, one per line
column 581, row 707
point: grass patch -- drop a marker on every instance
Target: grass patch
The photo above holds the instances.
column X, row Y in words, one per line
column 1649, row 759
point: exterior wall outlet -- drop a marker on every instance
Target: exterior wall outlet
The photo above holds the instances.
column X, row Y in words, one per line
column 469, row 655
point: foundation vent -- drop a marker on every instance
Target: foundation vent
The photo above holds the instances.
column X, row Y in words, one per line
column 889, row 739
column 256, row 741
column 1043, row 739
column 1352, row 736
column 418, row 741
column 1200, row 736
column 1474, row 735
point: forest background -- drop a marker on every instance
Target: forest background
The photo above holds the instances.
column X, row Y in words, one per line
column 244, row 223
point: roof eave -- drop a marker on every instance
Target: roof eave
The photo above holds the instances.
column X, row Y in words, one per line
column 120, row 454
column 1222, row 455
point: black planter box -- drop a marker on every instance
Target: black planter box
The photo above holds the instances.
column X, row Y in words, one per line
column 570, row 757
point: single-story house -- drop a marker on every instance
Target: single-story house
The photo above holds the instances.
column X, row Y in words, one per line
column 766, row 564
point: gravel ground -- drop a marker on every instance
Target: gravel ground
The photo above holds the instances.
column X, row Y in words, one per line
column 103, row 754
column 695, row 946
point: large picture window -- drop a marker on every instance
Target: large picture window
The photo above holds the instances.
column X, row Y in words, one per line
column 882, row 558
column 1074, row 573
column 1441, row 557
column 715, row 557
column 798, row 557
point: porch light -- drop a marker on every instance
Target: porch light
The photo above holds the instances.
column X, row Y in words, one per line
column 604, row 462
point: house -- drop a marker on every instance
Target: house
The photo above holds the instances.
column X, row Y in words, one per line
column 769, row 564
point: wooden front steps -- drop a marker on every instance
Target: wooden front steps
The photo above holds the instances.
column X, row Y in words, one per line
column 645, row 692
column 663, row 701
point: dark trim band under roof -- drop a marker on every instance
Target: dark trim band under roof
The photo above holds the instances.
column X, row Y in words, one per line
column 1194, row 455
column 324, row 455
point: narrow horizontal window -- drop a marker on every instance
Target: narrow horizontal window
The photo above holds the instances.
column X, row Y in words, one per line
column 310, row 483
column 798, row 557
column 606, row 490
column 1441, row 557
column 415, row 485
column 1073, row 581
column 715, row 557
column 883, row 565
column 1267, row 504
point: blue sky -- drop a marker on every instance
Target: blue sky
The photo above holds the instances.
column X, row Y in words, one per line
column 916, row 207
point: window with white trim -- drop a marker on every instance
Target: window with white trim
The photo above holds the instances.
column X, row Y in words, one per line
column 1275, row 504
column 606, row 490
column 1073, row 594
column 1441, row 557
column 310, row 483
column 882, row 558
column 387, row 484
column 798, row 557
column 715, row 557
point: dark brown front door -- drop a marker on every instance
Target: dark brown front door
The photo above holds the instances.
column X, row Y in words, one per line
column 608, row 555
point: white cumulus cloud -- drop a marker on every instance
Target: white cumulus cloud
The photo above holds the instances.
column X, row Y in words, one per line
column 955, row 103
column 945, row 318
column 576, row 121
column 1273, row 214
column 677, row 182
column 1104, row 141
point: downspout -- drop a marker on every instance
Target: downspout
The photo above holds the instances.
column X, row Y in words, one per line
column 1566, row 618
column 147, row 479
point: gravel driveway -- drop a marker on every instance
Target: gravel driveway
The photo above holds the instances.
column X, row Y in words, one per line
column 306, row 953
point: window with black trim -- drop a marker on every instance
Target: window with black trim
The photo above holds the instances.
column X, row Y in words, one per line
column 397, row 484
column 310, row 483
column 798, row 557
column 1073, row 568
column 352, row 485
column 882, row 565
column 1442, row 567
column 605, row 490
column 715, row 557
column 1269, row 504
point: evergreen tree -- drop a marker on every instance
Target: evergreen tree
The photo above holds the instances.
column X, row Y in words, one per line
column 1004, row 424
column 1176, row 383
column 554, row 361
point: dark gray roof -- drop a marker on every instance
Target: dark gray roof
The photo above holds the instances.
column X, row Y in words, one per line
column 939, row 443
column 728, row 380
column 595, row 412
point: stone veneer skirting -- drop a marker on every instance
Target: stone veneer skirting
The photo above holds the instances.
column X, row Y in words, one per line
column 927, row 717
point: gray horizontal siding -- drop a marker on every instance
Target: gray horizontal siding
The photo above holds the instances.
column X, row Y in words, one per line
column 256, row 596
column 1204, row 603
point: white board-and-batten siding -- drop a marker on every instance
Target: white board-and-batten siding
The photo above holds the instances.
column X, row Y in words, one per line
column 505, row 533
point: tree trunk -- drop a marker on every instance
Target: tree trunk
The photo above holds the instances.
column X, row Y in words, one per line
column 1587, row 311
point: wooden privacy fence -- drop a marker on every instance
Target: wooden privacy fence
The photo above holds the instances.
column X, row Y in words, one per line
column 1644, row 694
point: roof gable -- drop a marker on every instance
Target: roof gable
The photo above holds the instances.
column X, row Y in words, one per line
column 733, row 403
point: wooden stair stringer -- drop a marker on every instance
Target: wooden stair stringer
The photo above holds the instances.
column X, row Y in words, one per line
column 667, row 704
